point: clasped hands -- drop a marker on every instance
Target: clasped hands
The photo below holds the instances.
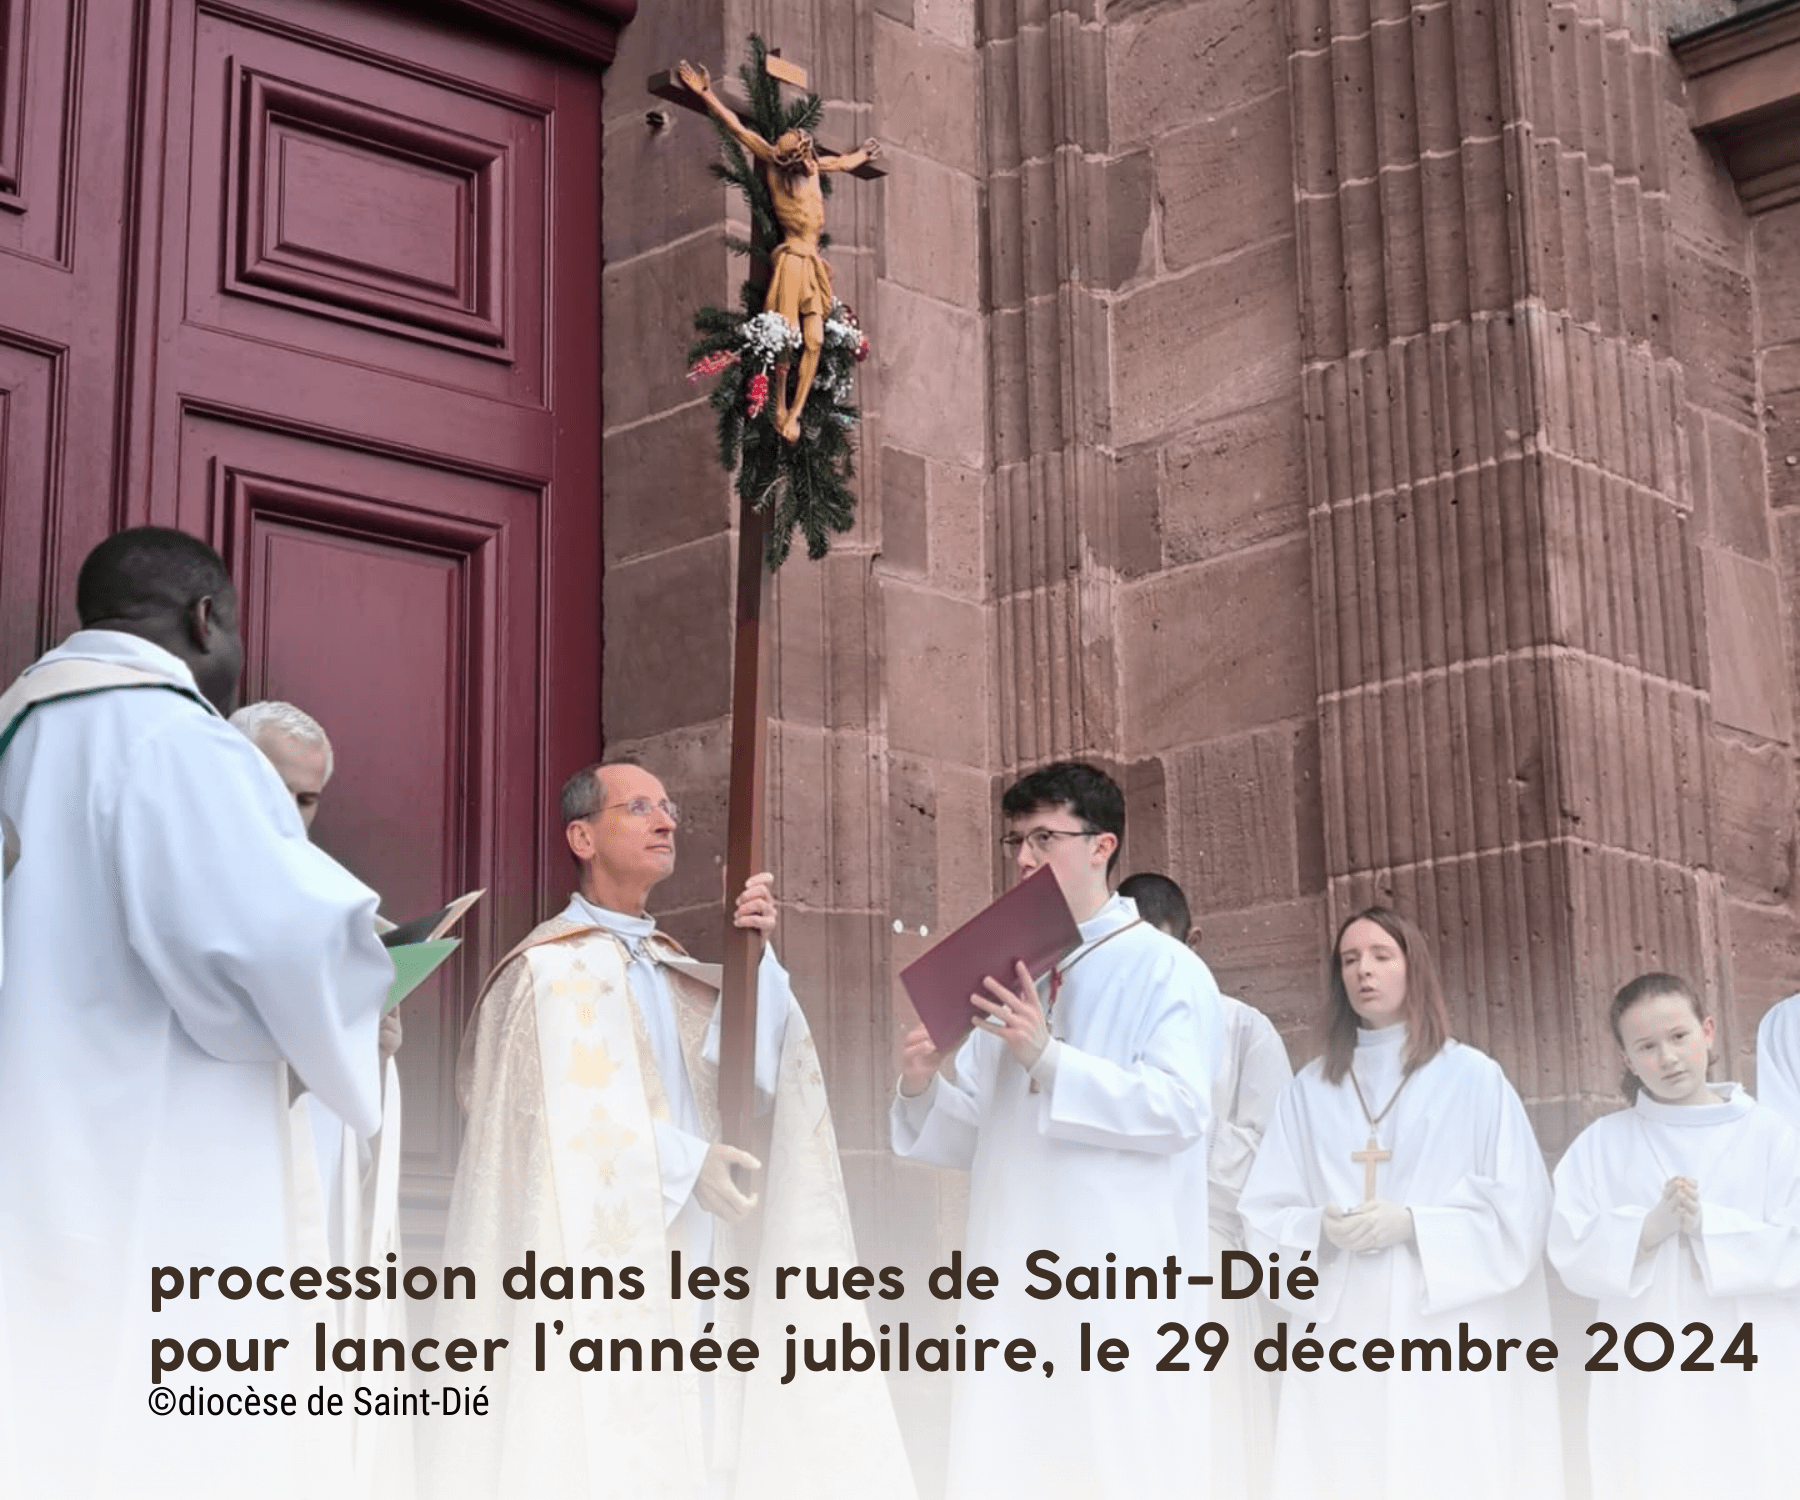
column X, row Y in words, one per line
column 1677, row 1209
column 1375, row 1225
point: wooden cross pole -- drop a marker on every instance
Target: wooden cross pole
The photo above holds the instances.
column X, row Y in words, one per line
column 744, row 828
column 749, row 743
column 1368, row 1156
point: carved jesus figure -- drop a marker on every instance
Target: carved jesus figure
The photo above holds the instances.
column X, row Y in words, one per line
column 800, row 280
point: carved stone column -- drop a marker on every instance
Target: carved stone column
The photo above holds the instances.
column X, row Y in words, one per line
column 1049, row 379
column 1513, row 695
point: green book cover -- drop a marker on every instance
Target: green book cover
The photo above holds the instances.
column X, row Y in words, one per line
column 414, row 963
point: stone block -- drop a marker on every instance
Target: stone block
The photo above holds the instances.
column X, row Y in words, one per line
column 953, row 20
column 937, row 249
column 854, row 811
column 1313, row 124
column 1356, row 90
column 1044, row 260
column 1753, row 818
column 1175, row 65
column 967, row 827
column 1148, row 815
column 896, row 10
column 1712, row 329
column 1130, row 247
column 1000, row 103
column 649, row 305
column 1434, row 61
column 1781, row 425
column 1220, row 648
column 1752, row 683
column 1764, row 948
column 1234, row 819
column 660, row 185
column 798, row 621
column 937, row 674
column 931, row 362
column 668, row 665
column 853, row 653
column 927, row 97
column 1003, row 241
column 1233, row 483
column 903, row 513
column 1080, row 87
column 799, row 814
column 663, row 486
column 1735, row 469
column 960, row 536
column 1217, row 340
column 1038, row 134
column 1224, row 184
column 1137, row 527
column 1273, row 957
column 658, row 38
column 1010, row 388
column 912, row 846
column 1776, row 245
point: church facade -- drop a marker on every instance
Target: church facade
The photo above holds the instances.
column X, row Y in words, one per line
column 1367, row 429
column 1372, row 430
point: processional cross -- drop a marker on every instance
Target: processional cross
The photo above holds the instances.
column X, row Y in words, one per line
column 1368, row 1156
column 749, row 691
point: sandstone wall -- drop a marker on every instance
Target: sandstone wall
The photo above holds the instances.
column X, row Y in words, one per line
column 1371, row 428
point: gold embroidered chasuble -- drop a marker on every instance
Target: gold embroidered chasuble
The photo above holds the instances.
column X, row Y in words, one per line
column 560, row 1159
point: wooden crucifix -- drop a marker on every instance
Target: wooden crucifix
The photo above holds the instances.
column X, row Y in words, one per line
column 799, row 289
column 1368, row 1156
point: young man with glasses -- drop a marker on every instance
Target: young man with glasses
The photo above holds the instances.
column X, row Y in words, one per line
column 589, row 1076
column 1079, row 1107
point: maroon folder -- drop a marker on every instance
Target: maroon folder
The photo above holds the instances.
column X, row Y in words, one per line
column 1031, row 924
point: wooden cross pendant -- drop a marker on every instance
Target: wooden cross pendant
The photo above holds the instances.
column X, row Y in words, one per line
column 1368, row 1156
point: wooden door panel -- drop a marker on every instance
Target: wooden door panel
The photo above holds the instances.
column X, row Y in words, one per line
column 368, row 207
column 40, row 62
column 30, row 385
column 376, row 389
column 65, row 79
column 385, row 596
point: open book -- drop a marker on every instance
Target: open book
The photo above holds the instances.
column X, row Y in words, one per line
column 419, row 947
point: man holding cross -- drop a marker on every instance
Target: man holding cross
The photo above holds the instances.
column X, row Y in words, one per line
column 593, row 1172
column 1402, row 1167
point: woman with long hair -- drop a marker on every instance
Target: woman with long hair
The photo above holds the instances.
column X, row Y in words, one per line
column 1401, row 1167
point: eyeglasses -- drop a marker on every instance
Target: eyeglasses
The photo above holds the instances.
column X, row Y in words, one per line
column 642, row 807
column 1041, row 839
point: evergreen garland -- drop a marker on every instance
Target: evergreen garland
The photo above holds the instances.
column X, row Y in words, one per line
column 807, row 483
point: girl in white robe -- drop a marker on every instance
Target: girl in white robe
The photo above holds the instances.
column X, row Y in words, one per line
column 1684, row 1210
column 1401, row 1166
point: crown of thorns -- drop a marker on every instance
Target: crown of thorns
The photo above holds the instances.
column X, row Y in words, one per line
column 788, row 158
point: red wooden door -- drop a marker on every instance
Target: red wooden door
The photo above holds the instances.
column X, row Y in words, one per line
column 372, row 379
column 64, row 84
